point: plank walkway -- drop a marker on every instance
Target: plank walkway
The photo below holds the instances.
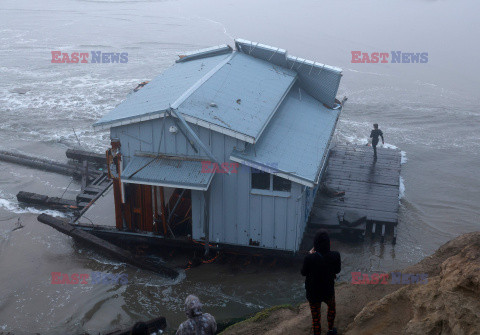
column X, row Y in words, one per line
column 371, row 190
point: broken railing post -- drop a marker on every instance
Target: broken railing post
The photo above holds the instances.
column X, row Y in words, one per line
column 84, row 175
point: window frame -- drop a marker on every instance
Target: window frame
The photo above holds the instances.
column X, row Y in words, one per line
column 270, row 191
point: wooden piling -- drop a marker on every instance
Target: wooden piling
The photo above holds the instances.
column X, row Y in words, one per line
column 81, row 155
column 50, row 202
column 40, row 163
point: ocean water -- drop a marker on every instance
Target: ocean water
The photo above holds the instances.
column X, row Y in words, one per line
column 430, row 111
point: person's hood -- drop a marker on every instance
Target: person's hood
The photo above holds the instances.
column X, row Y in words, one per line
column 322, row 242
column 193, row 306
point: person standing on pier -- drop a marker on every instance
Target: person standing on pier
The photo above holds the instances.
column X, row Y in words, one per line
column 374, row 136
column 320, row 268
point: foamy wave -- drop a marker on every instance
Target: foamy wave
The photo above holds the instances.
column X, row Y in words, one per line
column 401, row 193
column 402, row 153
column 15, row 208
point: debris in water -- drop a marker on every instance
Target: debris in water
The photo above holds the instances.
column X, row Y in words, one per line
column 18, row 225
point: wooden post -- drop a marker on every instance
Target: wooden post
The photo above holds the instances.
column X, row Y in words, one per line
column 115, row 156
column 155, row 215
column 162, row 203
column 206, row 224
column 84, row 175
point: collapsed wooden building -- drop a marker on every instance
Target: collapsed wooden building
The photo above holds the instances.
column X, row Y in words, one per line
column 226, row 146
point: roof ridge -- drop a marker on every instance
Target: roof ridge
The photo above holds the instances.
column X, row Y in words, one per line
column 204, row 53
column 200, row 82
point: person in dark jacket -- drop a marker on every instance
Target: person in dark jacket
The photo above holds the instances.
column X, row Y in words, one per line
column 198, row 323
column 320, row 268
column 374, row 136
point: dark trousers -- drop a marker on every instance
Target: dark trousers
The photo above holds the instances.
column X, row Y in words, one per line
column 374, row 145
column 315, row 308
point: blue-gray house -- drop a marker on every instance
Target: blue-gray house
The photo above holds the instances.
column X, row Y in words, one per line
column 230, row 144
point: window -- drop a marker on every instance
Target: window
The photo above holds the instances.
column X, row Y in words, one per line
column 281, row 184
column 268, row 184
column 260, row 180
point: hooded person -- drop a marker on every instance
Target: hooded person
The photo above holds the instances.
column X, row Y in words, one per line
column 320, row 268
column 198, row 323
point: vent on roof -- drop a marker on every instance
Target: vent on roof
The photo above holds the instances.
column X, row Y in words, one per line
column 204, row 53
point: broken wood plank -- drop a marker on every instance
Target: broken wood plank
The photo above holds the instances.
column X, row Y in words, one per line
column 93, row 189
column 110, row 249
column 85, row 197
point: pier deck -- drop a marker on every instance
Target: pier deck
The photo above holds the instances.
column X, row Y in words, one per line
column 371, row 191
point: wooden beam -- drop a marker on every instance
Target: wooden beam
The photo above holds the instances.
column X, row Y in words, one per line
column 81, row 155
column 117, row 252
column 162, row 203
column 41, row 163
column 117, row 184
column 156, row 216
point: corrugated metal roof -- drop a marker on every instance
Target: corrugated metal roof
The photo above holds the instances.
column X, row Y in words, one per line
column 319, row 80
column 296, row 140
column 241, row 96
column 232, row 93
column 166, row 172
column 161, row 92
column 271, row 54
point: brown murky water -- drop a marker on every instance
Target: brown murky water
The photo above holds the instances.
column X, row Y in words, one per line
column 429, row 111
